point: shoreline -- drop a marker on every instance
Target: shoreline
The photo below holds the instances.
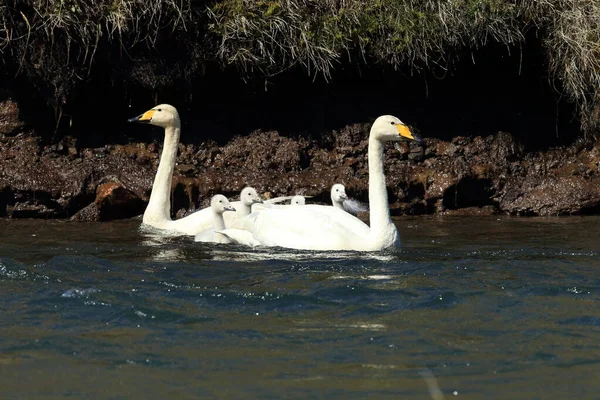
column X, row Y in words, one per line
column 481, row 175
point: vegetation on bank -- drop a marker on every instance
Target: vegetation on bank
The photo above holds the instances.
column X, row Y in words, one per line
column 60, row 45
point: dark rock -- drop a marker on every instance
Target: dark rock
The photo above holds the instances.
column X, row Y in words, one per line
column 467, row 176
column 263, row 150
column 6, row 199
column 468, row 192
column 49, row 186
column 32, row 210
column 117, row 202
column 417, row 152
column 185, row 169
column 551, row 195
column 91, row 213
column 10, row 124
column 473, row 211
column 113, row 201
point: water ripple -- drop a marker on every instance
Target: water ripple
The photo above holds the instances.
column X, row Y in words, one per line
column 493, row 308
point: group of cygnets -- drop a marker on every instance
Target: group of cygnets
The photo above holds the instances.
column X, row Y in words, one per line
column 251, row 201
column 254, row 222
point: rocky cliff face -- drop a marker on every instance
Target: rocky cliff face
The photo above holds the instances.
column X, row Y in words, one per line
column 467, row 175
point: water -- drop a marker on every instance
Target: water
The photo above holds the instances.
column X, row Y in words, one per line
column 494, row 308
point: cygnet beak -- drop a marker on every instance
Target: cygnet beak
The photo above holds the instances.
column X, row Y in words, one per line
column 229, row 208
column 257, row 200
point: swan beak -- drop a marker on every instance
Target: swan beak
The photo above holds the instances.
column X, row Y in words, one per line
column 145, row 117
column 405, row 132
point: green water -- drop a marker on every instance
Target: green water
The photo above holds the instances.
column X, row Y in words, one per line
column 483, row 308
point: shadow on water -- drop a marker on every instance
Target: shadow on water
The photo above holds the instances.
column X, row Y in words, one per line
column 492, row 308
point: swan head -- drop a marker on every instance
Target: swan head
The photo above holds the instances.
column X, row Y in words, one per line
column 389, row 128
column 220, row 204
column 338, row 193
column 298, row 200
column 248, row 196
column 162, row 115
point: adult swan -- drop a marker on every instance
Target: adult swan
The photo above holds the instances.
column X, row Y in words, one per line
column 158, row 211
column 310, row 228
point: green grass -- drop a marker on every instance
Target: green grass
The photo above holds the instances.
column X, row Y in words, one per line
column 57, row 43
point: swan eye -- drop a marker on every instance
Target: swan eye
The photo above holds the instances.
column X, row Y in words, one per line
column 393, row 123
column 159, row 110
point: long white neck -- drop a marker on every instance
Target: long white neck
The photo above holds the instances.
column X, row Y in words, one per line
column 244, row 210
column 219, row 225
column 382, row 227
column 159, row 205
column 336, row 203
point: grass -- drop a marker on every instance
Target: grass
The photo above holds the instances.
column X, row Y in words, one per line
column 58, row 44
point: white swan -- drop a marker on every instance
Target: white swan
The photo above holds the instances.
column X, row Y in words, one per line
column 339, row 199
column 218, row 205
column 243, row 207
column 328, row 228
column 338, row 195
column 248, row 197
column 158, row 211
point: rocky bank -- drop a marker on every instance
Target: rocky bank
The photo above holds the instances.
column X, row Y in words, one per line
column 466, row 176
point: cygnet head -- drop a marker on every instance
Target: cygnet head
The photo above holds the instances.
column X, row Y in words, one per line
column 162, row 115
column 248, row 196
column 338, row 193
column 298, row 200
column 389, row 128
column 220, row 204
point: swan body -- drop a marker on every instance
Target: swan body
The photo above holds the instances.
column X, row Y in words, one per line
column 287, row 228
column 277, row 200
column 293, row 199
column 218, row 205
column 297, row 200
column 315, row 227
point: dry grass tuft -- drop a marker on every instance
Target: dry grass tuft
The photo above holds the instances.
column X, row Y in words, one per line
column 58, row 43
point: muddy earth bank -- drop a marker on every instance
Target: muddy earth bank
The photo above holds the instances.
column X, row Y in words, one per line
column 479, row 175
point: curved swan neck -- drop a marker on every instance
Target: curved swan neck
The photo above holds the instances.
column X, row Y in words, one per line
column 380, row 219
column 219, row 225
column 244, row 210
column 336, row 202
column 159, row 205
column 218, row 221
